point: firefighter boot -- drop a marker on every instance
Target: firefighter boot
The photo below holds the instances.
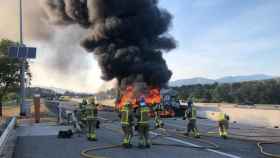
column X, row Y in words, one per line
column 148, row 143
column 126, row 143
column 223, row 133
column 196, row 133
column 92, row 137
column 141, row 144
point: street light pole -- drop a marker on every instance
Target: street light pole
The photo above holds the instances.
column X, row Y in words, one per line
column 22, row 71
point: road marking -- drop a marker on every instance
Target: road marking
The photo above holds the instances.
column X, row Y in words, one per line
column 102, row 118
column 190, row 144
column 223, row 153
column 194, row 145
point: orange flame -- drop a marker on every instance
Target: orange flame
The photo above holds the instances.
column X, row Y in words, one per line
column 152, row 97
column 127, row 96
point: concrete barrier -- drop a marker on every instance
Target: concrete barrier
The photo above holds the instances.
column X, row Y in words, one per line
column 5, row 135
column 108, row 102
column 248, row 115
column 258, row 117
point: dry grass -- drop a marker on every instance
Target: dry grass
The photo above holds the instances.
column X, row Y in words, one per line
column 13, row 110
column 9, row 111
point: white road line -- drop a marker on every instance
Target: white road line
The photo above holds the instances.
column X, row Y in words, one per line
column 194, row 145
column 102, row 118
column 223, row 153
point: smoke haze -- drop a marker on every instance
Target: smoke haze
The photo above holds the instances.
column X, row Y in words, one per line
column 127, row 37
column 35, row 24
column 60, row 59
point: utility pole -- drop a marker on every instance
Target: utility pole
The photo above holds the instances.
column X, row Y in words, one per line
column 23, row 109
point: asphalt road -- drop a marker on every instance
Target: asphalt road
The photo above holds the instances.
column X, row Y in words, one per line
column 110, row 134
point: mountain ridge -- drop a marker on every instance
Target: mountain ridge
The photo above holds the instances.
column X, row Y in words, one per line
column 226, row 79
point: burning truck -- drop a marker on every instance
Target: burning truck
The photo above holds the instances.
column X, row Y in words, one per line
column 153, row 98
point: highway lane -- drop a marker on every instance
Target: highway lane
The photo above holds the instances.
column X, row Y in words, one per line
column 34, row 146
column 108, row 135
column 242, row 148
column 233, row 147
column 50, row 146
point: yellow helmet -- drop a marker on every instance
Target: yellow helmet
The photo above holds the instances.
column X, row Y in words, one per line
column 92, row 100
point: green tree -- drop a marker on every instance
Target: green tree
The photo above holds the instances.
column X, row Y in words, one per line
column 9, row 71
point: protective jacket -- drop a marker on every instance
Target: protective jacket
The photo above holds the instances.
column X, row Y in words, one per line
column 191, row 113
column 223, row 117
column 91, row 112
column 126, row 116
column 143, row 115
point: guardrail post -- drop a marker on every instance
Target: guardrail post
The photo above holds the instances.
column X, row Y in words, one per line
column 36, row 102
column 6, row 134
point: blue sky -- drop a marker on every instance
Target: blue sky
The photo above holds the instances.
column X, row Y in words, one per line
column 224, row 37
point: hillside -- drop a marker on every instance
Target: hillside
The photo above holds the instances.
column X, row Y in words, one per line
column 226, row 79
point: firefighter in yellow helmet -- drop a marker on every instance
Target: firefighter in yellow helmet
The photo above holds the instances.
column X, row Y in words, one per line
column 158, row 110
column 126, row 114
column 82, row 113
column 91, row 119
column 142, row 115
column 191, row 115
column 223, row 121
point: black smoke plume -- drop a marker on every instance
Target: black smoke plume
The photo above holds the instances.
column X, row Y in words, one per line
column 127, row 37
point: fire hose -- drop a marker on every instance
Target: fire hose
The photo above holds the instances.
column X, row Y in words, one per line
column 259, row 143
column 85, row 152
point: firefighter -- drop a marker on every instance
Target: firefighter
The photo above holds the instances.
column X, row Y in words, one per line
column 82, row 113
column 142, row 115
column 158, row 110
column 190, row 103
column 91, row 119
column 190, row 114
column 84, row 102
column 126, row 115
column 223, row 121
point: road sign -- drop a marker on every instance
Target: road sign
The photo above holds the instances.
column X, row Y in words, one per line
column 31, row 53
column 22, row 52
column 13, row 51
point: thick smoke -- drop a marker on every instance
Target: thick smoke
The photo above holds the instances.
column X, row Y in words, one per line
column 127, row 37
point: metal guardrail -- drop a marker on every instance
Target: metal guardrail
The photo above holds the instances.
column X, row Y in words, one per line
column 229, row 105
column 6, row 133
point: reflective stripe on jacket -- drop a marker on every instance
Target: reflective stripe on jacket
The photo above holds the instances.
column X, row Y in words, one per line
column 144, row 115
column 91, row 113
column 126, row 116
